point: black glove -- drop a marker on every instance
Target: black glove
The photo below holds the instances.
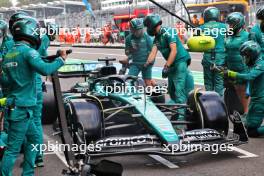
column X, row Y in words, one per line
column 53, row 57
column 165, row 72
column 44, row 87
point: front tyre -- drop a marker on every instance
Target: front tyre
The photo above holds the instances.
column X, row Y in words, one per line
column 208, row 111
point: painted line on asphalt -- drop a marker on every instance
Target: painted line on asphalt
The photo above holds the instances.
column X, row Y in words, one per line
column 49, row 153
column 245, row 154
column 60, row 155
column 164, row 161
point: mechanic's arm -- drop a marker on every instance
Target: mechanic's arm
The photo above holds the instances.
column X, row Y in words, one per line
column 44, row 46
column 4, row 78
column 255, row 35
column 172, row 55
column 152, row 55
column 171, row 38
column 42, row 67
column 128, row 48
column 251, row 75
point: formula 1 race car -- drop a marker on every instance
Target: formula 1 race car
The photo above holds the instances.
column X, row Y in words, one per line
column 124, row 122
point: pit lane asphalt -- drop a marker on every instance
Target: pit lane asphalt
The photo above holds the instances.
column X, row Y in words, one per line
column 197, row 164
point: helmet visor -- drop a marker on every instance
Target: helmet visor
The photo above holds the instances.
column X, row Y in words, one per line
column 234, row 26
column 151, row 32
column 246, row 59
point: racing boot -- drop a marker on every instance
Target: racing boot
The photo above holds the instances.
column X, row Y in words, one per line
column 39, row 162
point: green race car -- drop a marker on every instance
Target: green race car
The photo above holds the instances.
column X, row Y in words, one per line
column 125, row 122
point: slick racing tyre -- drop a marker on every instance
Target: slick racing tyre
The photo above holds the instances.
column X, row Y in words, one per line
column 49, row 110
column 85, row 120
column 208, row 111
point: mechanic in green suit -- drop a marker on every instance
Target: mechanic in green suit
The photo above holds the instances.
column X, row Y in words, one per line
column 213, row 81
column 253, row 57
column 138, row 45
column 6, row 44
column 20, row 66
column 234, row 60
column 177, row 59
column 14, row 18
column 51, row 31
column 6, row 41
column 257, row 31
column 50, row 35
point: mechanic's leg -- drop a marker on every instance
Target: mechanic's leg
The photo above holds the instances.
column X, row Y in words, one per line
column 189, row 84
column 241, row 92
column 133, row 70
column 254, row 119
column 219, row 83
column 6, row 123
column 3, row 134
column 16, row 135
column 32, row 136
column 4, row 137
column 171, row 90
column 208, row 78
column 179, row 81
column 37, row 114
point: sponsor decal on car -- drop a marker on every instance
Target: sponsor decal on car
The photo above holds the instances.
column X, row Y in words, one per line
column 127, row 141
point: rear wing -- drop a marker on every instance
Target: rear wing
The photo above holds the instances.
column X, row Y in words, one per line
column 77, row 68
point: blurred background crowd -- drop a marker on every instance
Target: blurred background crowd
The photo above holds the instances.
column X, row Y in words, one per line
column 112, row 17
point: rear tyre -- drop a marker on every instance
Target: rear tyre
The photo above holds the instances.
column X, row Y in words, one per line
column 49, row 110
